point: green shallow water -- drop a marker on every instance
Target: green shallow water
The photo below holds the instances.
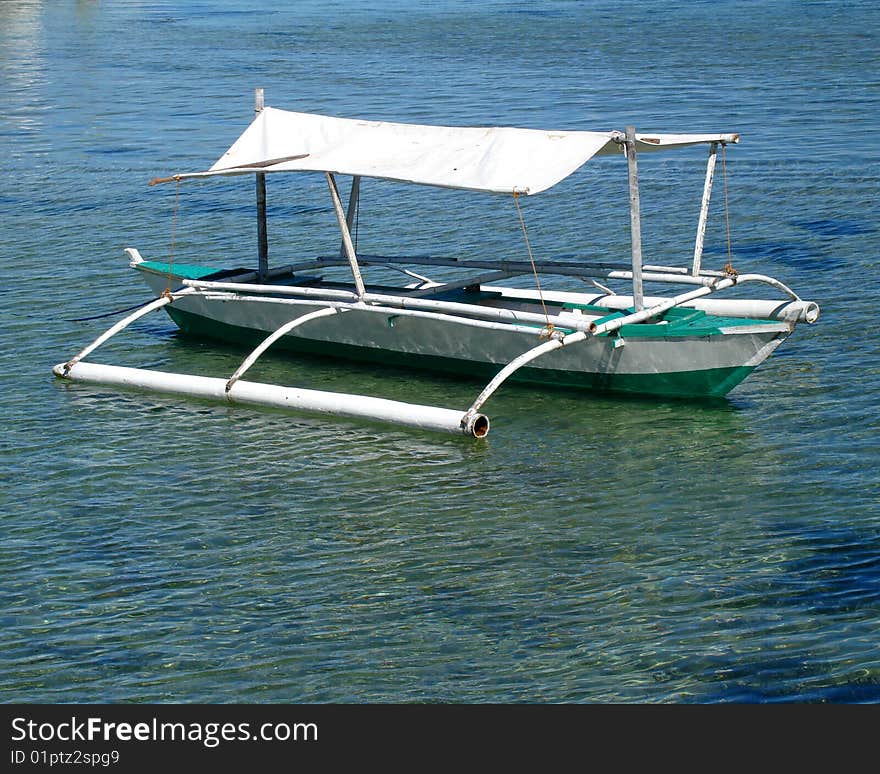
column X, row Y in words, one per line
column 590, row 549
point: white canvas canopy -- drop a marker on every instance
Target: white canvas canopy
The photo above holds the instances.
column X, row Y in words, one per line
column 489, row 159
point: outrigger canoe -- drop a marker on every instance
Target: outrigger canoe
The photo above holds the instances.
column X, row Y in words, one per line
column 683, row 344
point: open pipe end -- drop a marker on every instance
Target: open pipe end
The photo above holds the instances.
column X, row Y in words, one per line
column 476, row 425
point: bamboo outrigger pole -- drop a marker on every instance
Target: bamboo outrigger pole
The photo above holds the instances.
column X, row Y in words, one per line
column 235, row 390
column 262, row 234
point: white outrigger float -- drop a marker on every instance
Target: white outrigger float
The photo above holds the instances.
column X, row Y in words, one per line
column 683, row 345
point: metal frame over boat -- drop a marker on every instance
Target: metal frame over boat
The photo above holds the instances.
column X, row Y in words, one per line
column 678, row 345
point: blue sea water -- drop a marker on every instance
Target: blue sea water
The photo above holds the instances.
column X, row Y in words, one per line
column 590, row 549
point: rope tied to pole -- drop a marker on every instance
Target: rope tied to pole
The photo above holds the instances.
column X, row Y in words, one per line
column 729, row 268
column 547, row 330
column 167, row 291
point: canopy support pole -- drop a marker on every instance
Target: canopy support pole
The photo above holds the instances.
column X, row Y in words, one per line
column 346, row 235
column 634, row 217
column 353, row 198
column 262, row 233
column 704, row 208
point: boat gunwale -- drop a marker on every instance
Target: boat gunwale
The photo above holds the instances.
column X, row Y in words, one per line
column 671, row 323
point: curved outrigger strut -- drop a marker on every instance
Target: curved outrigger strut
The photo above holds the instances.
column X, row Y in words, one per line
column 613, row 325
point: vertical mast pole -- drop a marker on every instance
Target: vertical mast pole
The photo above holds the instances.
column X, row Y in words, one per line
column 353, row 197
column 704, row 208
column 634, row 218
column 262, row 235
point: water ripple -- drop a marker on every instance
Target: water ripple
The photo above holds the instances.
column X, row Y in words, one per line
column 591, row 549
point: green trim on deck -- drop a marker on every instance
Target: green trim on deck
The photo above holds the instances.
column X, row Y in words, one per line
column 178, row 270
column 674, row 322
column 685, row 322
column 715, row 382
